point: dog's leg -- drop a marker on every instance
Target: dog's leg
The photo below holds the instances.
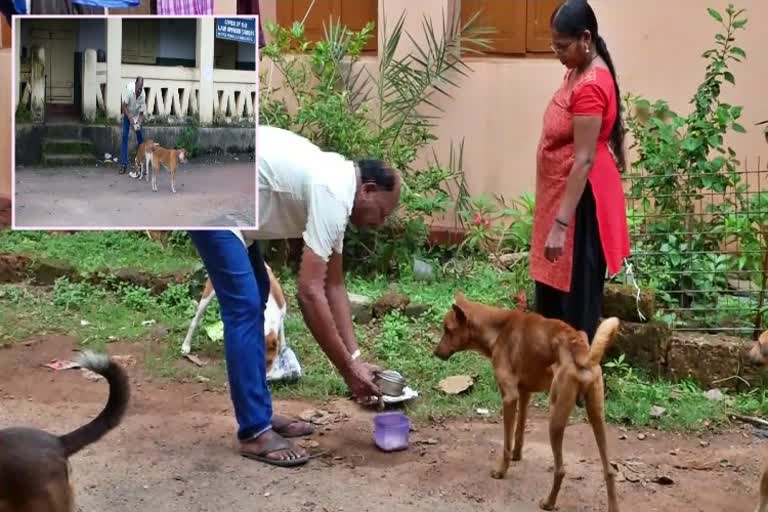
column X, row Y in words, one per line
column 561, row 405
column 509, row 396
column 173, row 176
column 186, row 346
column 155, row 170
column 763, row 506
column 595, row 402
column 522, row 415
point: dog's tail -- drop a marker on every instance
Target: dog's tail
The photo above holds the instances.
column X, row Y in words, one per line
column 113, row 412
column 602, row 340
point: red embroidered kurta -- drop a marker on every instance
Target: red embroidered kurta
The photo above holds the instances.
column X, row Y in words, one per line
column 593, row 94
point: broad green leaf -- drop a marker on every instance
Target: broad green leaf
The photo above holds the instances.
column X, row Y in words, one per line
column 716, row 15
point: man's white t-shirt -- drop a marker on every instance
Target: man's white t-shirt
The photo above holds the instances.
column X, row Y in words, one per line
column 304, row 192
column 134, row 104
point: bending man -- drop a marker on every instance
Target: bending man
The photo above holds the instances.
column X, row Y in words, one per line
column 305, row 193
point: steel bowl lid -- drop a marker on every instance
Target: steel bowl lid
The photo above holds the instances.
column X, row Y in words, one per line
column 391, row 376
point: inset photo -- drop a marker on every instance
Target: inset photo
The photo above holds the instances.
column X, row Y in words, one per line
column 129, row 122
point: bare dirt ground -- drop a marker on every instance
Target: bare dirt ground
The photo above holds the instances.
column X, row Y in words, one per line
column 175, row 452
column 207, row 194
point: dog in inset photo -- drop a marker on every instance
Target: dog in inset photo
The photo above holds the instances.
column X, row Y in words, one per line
column 34, row 465
column 156, row 155
column 141, row 160
column 532, row 354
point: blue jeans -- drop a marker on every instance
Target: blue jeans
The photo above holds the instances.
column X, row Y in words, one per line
column 126, row 132
column 237, row 275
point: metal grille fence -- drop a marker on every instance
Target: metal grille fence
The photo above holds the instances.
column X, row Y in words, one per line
column 707, row 258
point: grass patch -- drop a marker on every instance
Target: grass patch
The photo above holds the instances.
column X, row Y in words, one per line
column 95, row 317
column 88, row 251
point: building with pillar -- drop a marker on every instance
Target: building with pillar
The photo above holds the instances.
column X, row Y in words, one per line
column 76, row 69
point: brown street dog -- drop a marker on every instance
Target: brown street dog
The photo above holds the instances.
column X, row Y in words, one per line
column 157, row 155
column 758, row 356
column 532, row 354
column 34, row 465
column 141, row 160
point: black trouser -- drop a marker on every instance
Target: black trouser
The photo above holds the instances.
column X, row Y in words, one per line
column 582, row 306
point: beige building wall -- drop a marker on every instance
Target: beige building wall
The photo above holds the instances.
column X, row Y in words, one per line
column 5, row 122
column 498, row 110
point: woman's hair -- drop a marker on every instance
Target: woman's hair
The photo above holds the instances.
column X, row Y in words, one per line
column 572, row 18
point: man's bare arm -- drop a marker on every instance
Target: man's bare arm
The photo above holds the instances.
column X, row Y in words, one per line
column 317, row 311
column 338, row 299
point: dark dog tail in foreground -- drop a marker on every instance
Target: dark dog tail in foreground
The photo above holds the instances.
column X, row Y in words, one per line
column 113, row 412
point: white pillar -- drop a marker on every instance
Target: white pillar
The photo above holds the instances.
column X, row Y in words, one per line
column 114, row 67
column 17, row 58
column 37, row 83
column 90, row 85
column 204, row 61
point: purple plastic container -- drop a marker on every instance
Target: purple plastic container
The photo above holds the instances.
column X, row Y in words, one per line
column 391, row 431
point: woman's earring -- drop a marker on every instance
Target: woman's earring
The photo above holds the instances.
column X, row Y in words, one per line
column 587, row 50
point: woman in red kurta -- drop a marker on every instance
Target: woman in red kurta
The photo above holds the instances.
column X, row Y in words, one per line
column 580, row 224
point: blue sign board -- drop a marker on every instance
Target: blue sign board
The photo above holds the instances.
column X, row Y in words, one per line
column 242, row 30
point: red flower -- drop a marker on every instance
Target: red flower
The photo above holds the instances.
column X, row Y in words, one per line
column 478, row 219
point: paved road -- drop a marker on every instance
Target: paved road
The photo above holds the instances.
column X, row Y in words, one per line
column 208, row 193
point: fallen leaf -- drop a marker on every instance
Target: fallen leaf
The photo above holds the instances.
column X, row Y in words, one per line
column 431, row 441
column 456, row 385
column 147, row 323
column 483, row 412
column 193, row 359
column 58, row 364
column 657, row 412
column 126, row 360
column 714, row 395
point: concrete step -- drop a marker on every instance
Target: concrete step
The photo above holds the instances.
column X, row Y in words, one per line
column 63, row 131
column 62, row 160
column 62, row 146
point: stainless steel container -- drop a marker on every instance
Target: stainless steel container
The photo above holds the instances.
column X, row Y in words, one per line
column 390, row 382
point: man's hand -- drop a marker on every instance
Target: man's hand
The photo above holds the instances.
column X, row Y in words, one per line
column 359, row 378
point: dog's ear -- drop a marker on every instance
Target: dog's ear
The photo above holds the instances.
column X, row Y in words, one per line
column 459, row 297
column 461, row 317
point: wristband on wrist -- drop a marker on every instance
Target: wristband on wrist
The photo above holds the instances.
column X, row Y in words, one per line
column 356, row 355
column 561, row 223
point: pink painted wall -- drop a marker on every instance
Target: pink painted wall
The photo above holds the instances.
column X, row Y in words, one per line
column 5, row 122
column 498, row 110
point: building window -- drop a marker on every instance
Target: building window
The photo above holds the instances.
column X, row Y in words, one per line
column 521, row 26
column 354, row 14
column 5, row 33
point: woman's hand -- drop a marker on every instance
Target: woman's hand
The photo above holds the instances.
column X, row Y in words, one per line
column 553, row 248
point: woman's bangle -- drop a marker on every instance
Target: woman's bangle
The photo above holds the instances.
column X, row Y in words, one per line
column 356, row 354
column 561, row 223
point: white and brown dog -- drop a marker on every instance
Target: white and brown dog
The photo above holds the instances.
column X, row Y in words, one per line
column 274, row 318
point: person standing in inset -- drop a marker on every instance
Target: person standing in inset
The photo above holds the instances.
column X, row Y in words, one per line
column 134, row 106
